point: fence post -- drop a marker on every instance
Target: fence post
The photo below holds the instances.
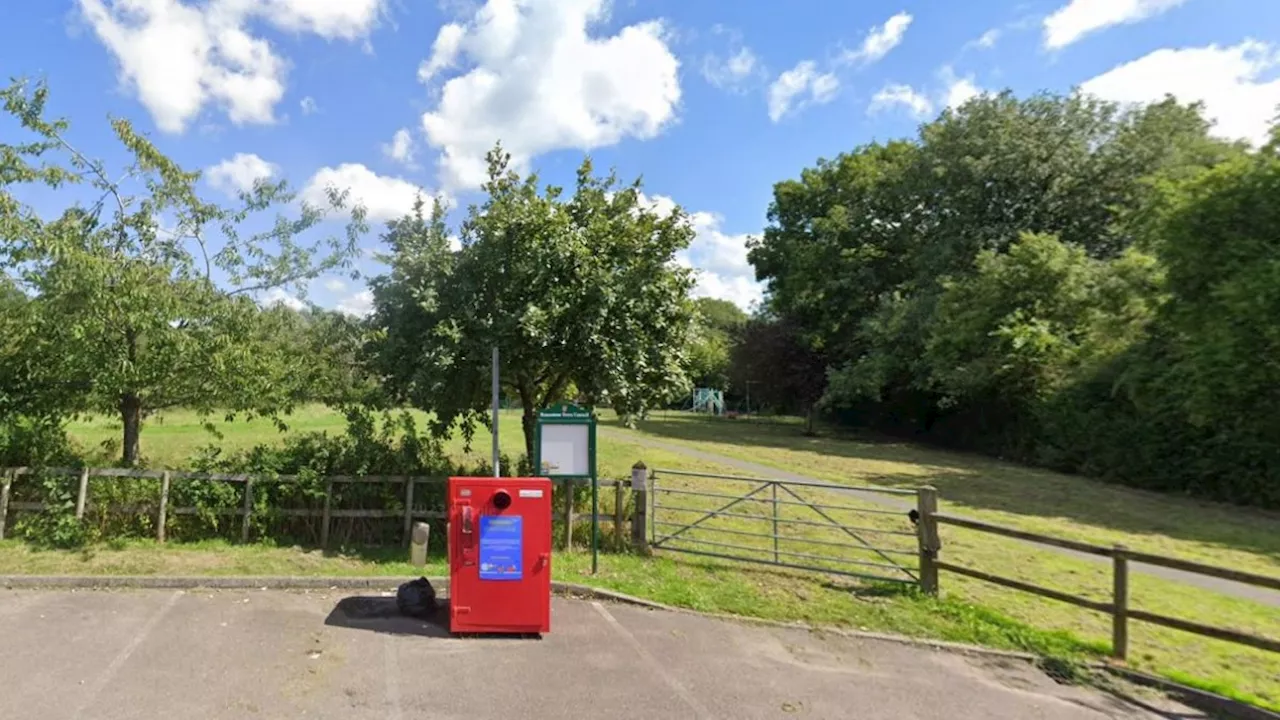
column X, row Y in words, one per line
column 927, row 535
column 639, row 518
column 83, row 494
column 248, row 509
column 775, row 521
column 4, row 499
column 408, row 510
column 324, row 517
column 568, row 514
column 164, row 503
column 1120, row 604
column 619, row 503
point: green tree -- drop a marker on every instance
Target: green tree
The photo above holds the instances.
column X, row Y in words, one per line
column 716, row 324
column 577, row 293
column 785, row 372
column 142, row 300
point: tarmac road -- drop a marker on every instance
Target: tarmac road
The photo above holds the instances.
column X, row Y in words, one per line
column 295, row 654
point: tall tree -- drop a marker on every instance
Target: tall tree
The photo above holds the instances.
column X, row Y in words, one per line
column 716, row 324
column 143, row 299
column 579, row 292
column 785, row 372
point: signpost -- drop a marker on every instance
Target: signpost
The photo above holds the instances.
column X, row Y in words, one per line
column 565, row 449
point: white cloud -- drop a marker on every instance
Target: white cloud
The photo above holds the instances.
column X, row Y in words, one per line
column 1230, row 81
column 276, row 296
column 444, row 52
column 539, row 81
column 719, row 259
column 988, row 39
column 238, row 173
column 731, row 72
column 800, row 86
column 345, row 19
column 359, row 304
column 1079, row 18
column 178, row 57
column 958, row 90
column 904, row 95
column 880, row 40
column 308, row 105
column 952, row 92
column 400, row 148
column 386, row 198
column 334, row 285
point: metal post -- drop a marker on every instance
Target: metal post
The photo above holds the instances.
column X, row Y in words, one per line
column 927, row 535
column 497, row 472
column 83, row 494
column 639, row 490
column 164, row 506
column 1120, row 604
column 775, row 522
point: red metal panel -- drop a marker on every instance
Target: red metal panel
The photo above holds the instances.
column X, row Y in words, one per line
column 499, row 582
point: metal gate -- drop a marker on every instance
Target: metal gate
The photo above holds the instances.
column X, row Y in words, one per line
column 857, row 531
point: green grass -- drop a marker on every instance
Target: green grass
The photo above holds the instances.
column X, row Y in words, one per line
column 1035, row 500
column 708, row 587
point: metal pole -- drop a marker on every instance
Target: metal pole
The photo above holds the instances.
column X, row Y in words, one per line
column 497, row 472
column 775, row 522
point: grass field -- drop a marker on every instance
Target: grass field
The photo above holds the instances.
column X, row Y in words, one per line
column 1035, row 500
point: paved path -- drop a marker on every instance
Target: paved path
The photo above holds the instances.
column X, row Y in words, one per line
column 111, row 655
column 1227, row 587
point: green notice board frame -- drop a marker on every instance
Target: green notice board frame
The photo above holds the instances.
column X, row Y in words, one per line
column 558, row 426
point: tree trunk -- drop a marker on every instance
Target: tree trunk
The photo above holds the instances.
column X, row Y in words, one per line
column 131, row 413
column 808, row 418
column 528, row 422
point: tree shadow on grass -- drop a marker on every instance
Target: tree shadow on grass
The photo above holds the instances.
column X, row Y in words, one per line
column 973, row 481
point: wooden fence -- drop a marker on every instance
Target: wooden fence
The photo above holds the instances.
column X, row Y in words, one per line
column 327, row 513
column 1118, row 608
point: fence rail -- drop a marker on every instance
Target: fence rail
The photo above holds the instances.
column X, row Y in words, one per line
column 1118, row 608
column 245, row 511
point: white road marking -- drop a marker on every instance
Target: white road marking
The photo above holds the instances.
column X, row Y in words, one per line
column 123, row 656
column 653, row 663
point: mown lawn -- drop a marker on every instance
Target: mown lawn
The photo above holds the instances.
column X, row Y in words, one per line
column 1036, row 500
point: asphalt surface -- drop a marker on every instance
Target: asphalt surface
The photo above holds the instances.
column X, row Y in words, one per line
column 1226, row 587
column 313, row 654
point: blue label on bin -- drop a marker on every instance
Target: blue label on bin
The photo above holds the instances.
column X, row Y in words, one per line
column 501, row 547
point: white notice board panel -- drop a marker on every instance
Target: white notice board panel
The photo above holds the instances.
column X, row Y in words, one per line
column 566, row 449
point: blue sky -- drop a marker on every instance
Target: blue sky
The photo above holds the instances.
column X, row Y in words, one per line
column 710, row 102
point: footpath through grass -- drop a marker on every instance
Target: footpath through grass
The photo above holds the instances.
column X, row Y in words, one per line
column 971, row 611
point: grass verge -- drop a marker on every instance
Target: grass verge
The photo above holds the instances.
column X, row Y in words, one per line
column 1035, row 500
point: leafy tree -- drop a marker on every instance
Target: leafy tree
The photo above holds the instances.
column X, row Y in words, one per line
column 578, row 293
column 720, row 314
column 715, row 326
column 141, row 300
column 785, row 372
